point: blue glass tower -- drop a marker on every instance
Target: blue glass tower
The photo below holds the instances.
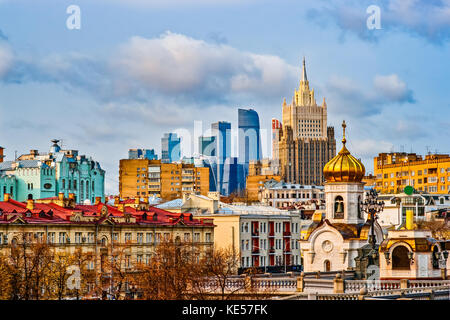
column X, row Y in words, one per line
column 170, row 148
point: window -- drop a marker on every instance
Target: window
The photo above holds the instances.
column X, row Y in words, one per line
column 51, row 237
column 140, row 238
column 77, row 237
column 187, row 237
column 400, row 259
column 149, row 237
column 196, row 237
column 139, row 258
column 339, row 207
column 327, row 266
column 208, row 237
column 127, row 236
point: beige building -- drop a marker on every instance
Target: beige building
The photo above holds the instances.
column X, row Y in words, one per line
column 282, row 195
column 305, row 142
column 264, row 236
column 410, row 253
column 100, row 230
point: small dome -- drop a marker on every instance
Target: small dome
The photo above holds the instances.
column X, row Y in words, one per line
column 344, row 167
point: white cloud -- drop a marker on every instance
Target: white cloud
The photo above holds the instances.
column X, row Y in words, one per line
column 393, row 88
column 177, row 64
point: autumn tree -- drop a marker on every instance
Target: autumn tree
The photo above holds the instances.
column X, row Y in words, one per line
column 172, row 273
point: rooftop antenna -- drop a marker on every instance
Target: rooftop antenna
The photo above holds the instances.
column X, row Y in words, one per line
column 428, row 149
column 15, row 155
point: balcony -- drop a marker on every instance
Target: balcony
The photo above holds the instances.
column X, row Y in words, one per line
column 255, row 251
column 286, row 234
column 272, row 250
column 271, row 234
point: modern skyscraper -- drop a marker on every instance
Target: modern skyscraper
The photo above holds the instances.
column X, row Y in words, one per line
column 148, row 154
column 249, row 136
column 305, row 143
column 170, row 148
column 207, row 146
column 221, row 131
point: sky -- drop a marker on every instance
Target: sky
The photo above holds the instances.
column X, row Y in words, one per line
column 136, row 69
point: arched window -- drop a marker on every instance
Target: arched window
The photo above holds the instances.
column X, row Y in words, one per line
column 339, row 207
column 400, row 259
column 327, row 266
column 359, row 208
column 435, row 258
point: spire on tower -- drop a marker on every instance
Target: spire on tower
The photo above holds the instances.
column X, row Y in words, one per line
column 343, row 135
column 304, row 77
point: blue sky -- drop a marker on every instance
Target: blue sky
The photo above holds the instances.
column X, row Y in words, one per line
column 139, row 68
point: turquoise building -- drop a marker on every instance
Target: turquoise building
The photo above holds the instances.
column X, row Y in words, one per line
column 43, row 175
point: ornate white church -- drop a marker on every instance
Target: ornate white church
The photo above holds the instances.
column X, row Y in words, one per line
column 331, row 242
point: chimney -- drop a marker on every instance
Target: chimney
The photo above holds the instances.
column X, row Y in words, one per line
column 409, row 219
column 6, row 197
column 71, row 196
column 61, row 196
column 30, row 204
column 98, row 200
column 121, row 207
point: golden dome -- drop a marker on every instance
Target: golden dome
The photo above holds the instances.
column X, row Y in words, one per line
column 344, row 167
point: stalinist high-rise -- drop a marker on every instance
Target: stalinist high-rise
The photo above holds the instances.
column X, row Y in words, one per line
column 305, row 143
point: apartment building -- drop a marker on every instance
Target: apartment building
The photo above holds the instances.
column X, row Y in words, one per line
column 394, row 171
column 143, row 178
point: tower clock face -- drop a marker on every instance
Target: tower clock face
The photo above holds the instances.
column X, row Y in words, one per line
column 327, row 246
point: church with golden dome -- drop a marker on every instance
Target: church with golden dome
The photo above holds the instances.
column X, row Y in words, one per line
column 331, row 242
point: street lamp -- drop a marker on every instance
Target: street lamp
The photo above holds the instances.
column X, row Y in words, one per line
column 371, row 206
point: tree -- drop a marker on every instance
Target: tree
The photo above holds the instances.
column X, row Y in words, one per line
column 29, row 263
column 172, row 273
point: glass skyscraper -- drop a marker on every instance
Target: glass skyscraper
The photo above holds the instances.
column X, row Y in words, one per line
column 170, row 148
column 249, row 136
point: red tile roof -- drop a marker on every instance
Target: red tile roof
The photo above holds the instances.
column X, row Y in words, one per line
column 54, row 213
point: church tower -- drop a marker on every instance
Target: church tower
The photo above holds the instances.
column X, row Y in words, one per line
column 343, row 188
column 333, row 242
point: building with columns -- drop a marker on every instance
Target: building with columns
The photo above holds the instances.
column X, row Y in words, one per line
column 331, row 243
